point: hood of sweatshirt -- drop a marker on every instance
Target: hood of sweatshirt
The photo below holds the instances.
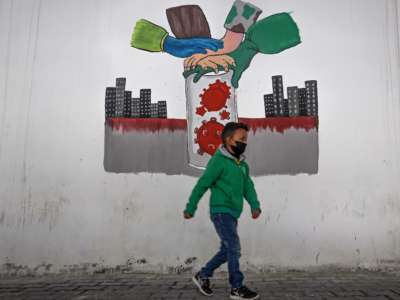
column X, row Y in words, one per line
column 226, row 153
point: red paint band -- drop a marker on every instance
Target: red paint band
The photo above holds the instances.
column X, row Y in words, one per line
column 279, row 124
column 153, row 125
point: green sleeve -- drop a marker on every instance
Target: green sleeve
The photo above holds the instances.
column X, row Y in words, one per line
column 148, row 36
column 274, row 33
column 210, row 175
column 250, row 193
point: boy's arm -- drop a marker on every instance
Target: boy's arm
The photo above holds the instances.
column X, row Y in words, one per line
column 211, row 173
column 250, row 193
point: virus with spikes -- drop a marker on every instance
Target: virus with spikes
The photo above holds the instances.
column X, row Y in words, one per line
column 208, row 136
column 225, row 115
column 214, row 98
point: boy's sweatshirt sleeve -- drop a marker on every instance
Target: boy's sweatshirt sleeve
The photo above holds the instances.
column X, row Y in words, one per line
column 210, row 175
column 250, row 193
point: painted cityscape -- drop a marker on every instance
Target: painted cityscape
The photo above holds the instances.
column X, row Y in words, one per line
column 138, row 126
column 119, row 103
column 299, row 101
column 302, row 102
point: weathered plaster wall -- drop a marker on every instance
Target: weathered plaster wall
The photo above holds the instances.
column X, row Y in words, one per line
column 59, row 209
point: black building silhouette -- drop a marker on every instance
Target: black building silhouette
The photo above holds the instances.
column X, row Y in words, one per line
column 293, row 98
column 270, row 107
column 135, row 108
column 285, row 108
column 312, row 97
column 128, row 104
column 162, row 109
column 277, row 91
column 302, row 102
column 154, row 110
column 120, row 97
column 110, row 102
column 145, row 102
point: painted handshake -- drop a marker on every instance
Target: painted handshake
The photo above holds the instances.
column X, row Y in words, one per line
column 244, row 38
column 154, row 38
column 270, row 35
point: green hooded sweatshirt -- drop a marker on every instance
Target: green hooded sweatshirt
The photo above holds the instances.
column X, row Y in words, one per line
column 229, row 181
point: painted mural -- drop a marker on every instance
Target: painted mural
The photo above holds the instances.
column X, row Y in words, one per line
column 283, row 140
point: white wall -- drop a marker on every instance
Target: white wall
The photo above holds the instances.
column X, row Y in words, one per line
column 58, row 206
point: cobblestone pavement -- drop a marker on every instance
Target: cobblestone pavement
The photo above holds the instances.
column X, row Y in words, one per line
column 344, row 285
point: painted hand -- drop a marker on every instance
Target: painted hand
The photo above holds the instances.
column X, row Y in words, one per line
column 188, row 47
column 193, row 60
column 231, row 41
column 211, row 64
column 256, row 213
column 214, row 61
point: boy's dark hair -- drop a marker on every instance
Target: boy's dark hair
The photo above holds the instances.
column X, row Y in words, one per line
column 230, row 128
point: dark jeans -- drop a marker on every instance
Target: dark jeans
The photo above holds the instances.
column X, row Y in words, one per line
column 226, row 227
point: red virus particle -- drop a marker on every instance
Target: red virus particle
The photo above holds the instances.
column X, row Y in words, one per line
column 200, row 111
column 208, row 136
column 225, row 115
column 214, row 98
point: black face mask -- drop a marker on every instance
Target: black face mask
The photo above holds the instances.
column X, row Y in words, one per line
column 239, row 148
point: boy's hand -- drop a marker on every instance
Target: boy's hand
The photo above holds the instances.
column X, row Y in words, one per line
column 186, row 215
column 256, row 213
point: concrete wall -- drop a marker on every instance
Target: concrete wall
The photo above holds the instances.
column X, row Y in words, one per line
column 59, row 209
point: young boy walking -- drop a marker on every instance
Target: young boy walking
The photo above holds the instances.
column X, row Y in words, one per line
column 227, row 175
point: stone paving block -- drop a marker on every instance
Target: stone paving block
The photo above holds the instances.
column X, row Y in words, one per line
column 287, row 293
column 31, row 294
column 340, row 298
column 33, row 289
column 335, row 290
column 395, row 290
column 374, row 292
column 113, row 296
column 11, row 290
column 113, row 284
column 307, row 298
column 6, row 296
column 49, row 297
column 275, row 298
column 318, row 293
column 349, row 293
column 88, row 284
column 392, row 296
column 372, row 298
